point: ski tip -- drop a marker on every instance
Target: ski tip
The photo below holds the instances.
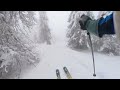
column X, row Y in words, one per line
column 94, row 75
column 57, row 69
column 64, row 67
column 58, row 74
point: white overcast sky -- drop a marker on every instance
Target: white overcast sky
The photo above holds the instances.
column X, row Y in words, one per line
column 58, row 20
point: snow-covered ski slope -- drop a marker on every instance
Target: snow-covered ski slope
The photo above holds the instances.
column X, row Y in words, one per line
column 79, row 63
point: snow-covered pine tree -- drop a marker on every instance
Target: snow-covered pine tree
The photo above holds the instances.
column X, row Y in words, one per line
column 45, row 35
column 15, row 55
column 78, row 38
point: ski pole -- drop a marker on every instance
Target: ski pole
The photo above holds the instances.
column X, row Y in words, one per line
column 92, row 52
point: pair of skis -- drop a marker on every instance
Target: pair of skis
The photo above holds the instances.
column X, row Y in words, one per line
column 67, row 73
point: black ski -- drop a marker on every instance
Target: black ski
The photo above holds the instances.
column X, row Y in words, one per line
column 67, row 73
column 58, row 74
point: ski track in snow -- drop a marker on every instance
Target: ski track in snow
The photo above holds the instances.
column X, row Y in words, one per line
column 79, row 64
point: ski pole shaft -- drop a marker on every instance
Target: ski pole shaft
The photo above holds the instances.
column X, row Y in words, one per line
column 92, row 52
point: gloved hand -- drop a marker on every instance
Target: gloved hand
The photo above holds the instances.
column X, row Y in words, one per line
column 83, row 21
